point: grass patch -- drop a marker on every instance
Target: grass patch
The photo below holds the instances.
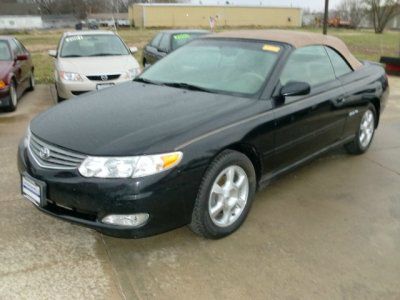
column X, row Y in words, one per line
column 364, row 44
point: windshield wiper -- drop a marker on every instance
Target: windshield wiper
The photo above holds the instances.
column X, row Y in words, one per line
column 72, row 55
column 104, row 54
column 144, row 80
column 187, row 86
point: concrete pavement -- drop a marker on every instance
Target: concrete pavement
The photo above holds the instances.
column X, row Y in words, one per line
column 328, row 230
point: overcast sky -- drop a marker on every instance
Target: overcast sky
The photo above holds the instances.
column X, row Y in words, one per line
column 312, row 4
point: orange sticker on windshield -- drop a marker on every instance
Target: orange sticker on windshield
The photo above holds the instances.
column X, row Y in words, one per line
column 271, row 48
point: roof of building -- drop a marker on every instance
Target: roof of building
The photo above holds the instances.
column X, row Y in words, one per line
column 295, row 38
column 108, row 16
column 214, row 5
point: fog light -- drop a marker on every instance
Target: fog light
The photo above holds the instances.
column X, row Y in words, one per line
column 135, row 220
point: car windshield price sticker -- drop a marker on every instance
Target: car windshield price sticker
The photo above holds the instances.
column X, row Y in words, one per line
column 271, row 48
column 182, row 36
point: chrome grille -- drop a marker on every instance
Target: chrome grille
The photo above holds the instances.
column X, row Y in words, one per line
column 103, row 77
column 53, row 157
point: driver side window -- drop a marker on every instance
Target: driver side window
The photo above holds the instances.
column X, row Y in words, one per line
column 310, row 65
column 156, row 41
column 164, row 43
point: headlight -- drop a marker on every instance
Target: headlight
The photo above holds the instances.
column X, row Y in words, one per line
column 128, row 167
column 27, row 137
column 131, row 73
column 69, row 76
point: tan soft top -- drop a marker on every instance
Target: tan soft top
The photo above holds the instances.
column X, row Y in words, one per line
column 295, row 38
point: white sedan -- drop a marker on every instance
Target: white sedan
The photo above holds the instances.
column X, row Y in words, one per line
column 91, row 60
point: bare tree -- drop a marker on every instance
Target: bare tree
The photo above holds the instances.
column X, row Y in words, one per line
column 352, row 10
column 382, row 11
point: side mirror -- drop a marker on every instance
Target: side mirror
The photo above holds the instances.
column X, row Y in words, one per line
column 162, row 50
column 295, row 88
column 52, row 53
column 22, row 57
column 133, row 49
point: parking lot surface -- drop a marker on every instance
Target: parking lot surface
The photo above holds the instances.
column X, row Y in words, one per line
column 330, row 229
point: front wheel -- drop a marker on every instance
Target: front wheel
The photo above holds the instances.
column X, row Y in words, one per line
column 225, row 196
column 31, row 82
column 365, row 132
column 13, row 97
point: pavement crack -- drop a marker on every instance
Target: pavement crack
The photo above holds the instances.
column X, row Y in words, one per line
column 120, row 289
column 383, row 166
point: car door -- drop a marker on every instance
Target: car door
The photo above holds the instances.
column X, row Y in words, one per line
column 150, row 51
column 164, row 47
column 305, row 125
column 26, row 65
column 354, row 91
column 18, row 65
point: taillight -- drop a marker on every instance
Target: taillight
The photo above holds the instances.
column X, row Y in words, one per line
column 3, row 85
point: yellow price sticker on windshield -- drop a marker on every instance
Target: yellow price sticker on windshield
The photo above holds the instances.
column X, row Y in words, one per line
column 271, row 48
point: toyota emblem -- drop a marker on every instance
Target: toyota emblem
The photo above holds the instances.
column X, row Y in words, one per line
column 104, row 77
column 44, row 153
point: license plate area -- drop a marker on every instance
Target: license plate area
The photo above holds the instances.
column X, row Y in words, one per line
column 102, row 86
column 33, row 189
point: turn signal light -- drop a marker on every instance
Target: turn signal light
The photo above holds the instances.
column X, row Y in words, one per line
column 170, row 159
column 3, row 85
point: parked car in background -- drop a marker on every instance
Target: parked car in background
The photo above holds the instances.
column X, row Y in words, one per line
column 92, row 24
column 191, row 139
column 16, row 72
column 91, row 60
column 122, row 23
column 167, row 41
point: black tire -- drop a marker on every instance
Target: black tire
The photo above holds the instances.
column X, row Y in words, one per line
column 201, row 222
column 355, row 147
column 12, row 105
column 31, row 82
column 59, row 99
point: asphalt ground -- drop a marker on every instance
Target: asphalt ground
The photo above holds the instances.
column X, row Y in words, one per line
column 329, row 230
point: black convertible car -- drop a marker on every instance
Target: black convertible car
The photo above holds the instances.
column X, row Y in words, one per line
column 192, row 138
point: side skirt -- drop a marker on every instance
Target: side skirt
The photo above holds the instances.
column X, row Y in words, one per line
column 267, row 179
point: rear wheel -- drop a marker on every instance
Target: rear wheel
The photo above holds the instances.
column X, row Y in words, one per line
column 225, row 196
column 365, row 132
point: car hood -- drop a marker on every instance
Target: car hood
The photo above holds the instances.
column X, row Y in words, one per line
column 97, row 65
column 5, row 67
column 135, row 118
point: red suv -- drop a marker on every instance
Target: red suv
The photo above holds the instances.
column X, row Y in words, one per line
column 16, row 72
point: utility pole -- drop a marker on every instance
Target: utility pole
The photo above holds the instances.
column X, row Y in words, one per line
column 326, row 16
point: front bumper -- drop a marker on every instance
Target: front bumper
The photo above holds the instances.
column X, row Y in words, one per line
column 5, row 97
column 168, row 198
column 69, row 89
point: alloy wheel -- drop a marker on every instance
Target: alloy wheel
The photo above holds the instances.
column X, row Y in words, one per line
column 367, row 128
column 13, row 94
column 228, row 196
column 32, row 81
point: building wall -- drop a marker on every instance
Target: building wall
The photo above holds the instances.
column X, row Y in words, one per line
column 195, row 16
column 20, row 22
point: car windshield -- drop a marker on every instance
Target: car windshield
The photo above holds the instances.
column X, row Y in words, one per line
column 4, row 51
column 93, row 45
column 225, row 66
column 180, row 39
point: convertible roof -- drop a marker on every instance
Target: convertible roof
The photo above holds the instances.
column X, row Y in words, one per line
column 297, row 39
